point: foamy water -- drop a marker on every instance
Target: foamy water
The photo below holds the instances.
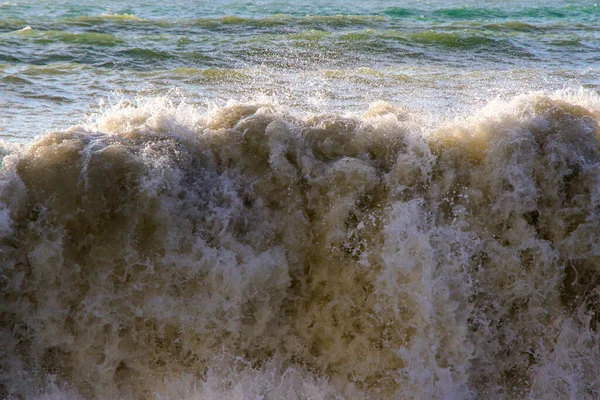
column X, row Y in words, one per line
column 165, row 252
column 445, row 58
column 267, row 200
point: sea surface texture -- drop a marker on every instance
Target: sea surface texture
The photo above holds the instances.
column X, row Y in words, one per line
column 299, row 200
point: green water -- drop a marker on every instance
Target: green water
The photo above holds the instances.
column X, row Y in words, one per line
column 286, row 200
column 59, row 60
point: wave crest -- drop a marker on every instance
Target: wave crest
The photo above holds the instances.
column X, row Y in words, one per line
column 182, row 253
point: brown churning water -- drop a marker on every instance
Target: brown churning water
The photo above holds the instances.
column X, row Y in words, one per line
column 249, row 253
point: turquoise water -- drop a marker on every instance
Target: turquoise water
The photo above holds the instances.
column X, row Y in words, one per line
column 294, row 200
column 58, row 60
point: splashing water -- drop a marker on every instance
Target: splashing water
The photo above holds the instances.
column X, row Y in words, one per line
column 249, row 252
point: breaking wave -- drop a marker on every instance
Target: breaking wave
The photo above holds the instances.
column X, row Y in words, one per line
column 248, row 252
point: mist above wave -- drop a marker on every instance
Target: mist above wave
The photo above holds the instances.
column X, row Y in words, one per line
column 164, row 251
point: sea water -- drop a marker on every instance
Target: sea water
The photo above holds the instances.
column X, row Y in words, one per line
column 299, row 200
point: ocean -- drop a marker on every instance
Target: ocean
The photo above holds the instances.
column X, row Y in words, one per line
column 299, row 200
